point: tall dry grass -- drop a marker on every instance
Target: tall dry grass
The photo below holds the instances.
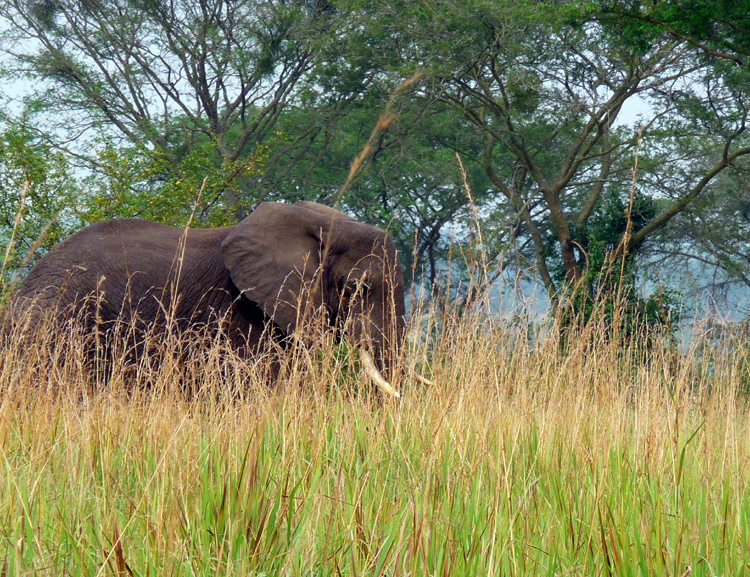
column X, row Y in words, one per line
column 524, row 458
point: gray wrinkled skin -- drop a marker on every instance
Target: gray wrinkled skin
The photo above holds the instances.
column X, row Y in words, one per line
column 279, row 264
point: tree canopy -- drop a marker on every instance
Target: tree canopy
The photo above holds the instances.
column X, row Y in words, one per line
column 168, row 108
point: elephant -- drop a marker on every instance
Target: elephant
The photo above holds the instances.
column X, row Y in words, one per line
column 274, row 269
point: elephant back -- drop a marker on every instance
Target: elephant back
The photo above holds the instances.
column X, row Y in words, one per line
column 124, row 267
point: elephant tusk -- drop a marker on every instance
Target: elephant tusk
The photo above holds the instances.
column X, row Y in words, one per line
column 419, row 378
column 373, row 372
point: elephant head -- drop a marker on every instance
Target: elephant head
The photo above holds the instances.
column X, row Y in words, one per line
column 295, row 260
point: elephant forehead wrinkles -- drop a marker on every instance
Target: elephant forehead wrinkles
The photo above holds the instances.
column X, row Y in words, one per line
column 357, row 241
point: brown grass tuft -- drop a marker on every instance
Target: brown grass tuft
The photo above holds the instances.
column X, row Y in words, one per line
column 525, row 456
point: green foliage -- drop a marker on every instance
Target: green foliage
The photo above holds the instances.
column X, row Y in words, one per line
column 273, row 100
column 720, row 28
column 174, row 94
column 38, row 198
column 608, row 291
column 193, row 181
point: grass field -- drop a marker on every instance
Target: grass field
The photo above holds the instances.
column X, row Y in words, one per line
column 522, row 459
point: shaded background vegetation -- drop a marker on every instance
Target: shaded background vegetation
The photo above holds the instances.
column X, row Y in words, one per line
column 156, row 109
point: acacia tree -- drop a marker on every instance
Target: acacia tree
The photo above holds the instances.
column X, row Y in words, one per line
column 712, row 231
column 543, row 86
column 171, row 78
column 273, row 99
column 718, row 28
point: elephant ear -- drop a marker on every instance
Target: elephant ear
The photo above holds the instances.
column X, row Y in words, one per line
column 273, row 258
column 323, row 210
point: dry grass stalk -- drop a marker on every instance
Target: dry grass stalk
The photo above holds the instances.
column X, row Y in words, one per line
column 191, row 449
column 522, row 456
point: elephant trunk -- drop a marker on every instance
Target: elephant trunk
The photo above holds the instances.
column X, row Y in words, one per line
column 378, row 344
